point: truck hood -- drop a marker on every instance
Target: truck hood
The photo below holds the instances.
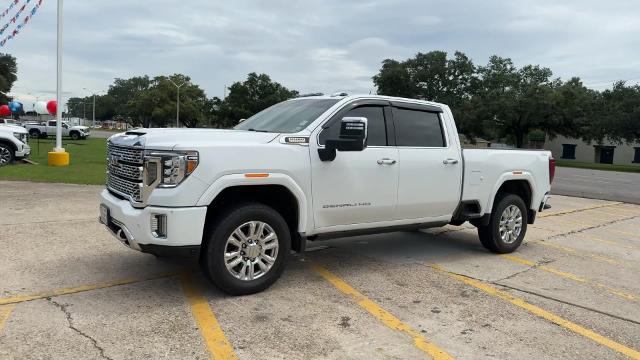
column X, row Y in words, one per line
column 78, row 127
column 12, row 129
column 171, row 138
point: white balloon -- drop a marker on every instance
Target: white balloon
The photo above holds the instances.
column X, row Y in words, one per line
column 41, row 107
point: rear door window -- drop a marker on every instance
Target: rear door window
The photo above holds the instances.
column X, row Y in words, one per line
column 418, row 128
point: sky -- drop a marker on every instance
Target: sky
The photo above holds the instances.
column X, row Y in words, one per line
column 315, row 46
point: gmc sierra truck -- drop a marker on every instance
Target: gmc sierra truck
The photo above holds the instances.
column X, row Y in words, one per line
column 13, row 144
column 76, row 132
column 312, row 168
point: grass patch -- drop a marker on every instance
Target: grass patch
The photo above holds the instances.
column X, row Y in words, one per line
column 87, row 164
column 597, row 166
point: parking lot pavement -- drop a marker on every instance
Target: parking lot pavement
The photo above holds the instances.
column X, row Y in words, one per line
column 68, row 290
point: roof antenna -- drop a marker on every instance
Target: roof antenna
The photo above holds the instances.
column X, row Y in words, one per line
column 370, row 91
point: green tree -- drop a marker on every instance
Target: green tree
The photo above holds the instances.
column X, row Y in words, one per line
column 156, row 105
column 247, row 98
column 511, row 102
column 8, row 75
column 433, row 76
column 575, row 107
column 619, row 116
column 122, row 91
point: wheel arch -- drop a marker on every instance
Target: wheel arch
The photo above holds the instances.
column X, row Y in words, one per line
column 521, row 186
column 10, row 144
column 278, row 191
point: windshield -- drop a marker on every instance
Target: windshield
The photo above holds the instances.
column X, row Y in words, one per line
column 287, row 117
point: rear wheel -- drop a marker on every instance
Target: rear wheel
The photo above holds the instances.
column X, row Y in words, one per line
column 247, row 249
column 34, row 133
column 507, row 225
column 6, row 154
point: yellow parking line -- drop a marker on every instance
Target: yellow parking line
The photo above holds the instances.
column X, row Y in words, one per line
column 570, row 276
column 5, row 311
column 535, row 310
column 604, row 241
column 217, row 343
column 77, row 289
column 578, row 210
column 384, row 316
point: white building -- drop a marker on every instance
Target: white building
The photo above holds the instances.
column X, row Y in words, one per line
column 605, row 153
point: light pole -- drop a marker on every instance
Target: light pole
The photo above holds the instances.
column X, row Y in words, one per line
column 94, row 106
column 58, row 157
column 177, row 101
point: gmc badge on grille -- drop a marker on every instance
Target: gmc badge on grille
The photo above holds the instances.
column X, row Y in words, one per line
column 114, row 160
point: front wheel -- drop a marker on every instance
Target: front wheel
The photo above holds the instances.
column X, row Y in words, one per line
column 247, row 249
column 6, row 154
column 507, row 225
column 75, row 135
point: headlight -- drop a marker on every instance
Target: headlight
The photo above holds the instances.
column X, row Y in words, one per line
column 168, row 169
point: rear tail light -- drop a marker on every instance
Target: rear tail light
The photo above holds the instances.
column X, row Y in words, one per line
column 552, row 169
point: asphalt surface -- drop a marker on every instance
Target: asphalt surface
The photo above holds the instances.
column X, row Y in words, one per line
column 68, row 290
column 597, row 184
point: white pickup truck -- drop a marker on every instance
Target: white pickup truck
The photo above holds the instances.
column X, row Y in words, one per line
column 76, row 132
column 307, row 169
column 13, row 144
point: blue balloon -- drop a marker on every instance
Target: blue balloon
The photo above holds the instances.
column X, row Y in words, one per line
column 15, row 106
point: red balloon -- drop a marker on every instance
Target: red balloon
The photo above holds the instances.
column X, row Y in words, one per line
column 4, row 110
column 52, row 107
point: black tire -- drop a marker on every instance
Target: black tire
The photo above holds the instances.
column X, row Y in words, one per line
column 490, row 234
column 34, row 133
column 75, row 135
column 7, row 156
column 220, row 229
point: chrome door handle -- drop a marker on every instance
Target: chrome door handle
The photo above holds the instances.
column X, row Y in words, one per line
column 449, row 161
column 386, row 161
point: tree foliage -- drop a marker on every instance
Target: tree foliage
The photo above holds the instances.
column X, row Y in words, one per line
column 249, row 97
column 8, row 75
column 501, row 101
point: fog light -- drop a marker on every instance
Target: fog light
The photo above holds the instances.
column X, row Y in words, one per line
column 159, row 225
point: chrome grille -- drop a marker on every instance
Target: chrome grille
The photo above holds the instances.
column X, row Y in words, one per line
column 124, row 171
column 124, row 187
column 129, row 155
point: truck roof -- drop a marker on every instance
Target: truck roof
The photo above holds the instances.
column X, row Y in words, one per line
column 367, row 96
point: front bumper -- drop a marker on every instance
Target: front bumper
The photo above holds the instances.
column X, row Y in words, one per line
column 132, row 226
column 23, row 151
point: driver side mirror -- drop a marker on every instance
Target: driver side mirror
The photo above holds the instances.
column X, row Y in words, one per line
column 353, row 137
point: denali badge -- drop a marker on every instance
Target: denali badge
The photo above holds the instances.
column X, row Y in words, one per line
column 333, row 206
column 296, row 140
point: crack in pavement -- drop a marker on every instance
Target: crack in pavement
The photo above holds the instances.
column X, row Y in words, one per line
column 579, row 231
column 562, row 301
column 67, row 313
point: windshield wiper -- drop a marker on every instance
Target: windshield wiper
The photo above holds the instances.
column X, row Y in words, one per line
column 252, row 129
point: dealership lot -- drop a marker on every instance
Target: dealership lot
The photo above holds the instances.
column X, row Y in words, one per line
column 68, row 290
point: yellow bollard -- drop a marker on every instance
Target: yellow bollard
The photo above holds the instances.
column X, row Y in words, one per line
column 58, row 158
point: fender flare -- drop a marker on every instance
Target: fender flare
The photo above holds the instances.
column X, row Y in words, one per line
column 230, row 180
column 508, row 176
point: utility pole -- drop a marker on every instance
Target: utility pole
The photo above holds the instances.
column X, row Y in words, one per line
column 177, row 101
column 94, row 109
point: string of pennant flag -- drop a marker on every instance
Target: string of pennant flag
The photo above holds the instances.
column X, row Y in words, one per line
column 8, row 10
column 15, row 20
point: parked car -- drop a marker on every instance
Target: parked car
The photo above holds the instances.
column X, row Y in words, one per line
column 13, row 144
column 10, row 122
column 43, row 130
column 309, row 169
